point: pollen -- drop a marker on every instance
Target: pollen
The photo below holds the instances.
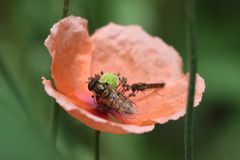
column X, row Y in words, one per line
column 110, row 78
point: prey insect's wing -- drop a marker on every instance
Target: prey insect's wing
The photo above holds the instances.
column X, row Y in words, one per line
column 122, row 104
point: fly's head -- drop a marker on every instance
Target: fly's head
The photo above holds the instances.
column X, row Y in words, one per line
column 92, row 82
column 95, row 86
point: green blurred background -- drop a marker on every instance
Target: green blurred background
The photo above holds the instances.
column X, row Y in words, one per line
column 25, row 24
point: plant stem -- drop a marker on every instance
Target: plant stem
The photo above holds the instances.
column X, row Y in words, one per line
column 54, row 131
column 191, row 49
column 13, row 86
column 65, row 8
column 56, row 109
column 97, row 139
column 55, row 120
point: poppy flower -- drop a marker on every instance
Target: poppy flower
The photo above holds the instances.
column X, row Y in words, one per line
column 127, row 50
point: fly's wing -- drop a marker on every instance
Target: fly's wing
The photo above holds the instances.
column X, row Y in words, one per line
column 121, row 103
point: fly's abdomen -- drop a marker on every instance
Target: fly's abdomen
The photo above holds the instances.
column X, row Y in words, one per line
column 119, row 103
column 123, row 105
column 144, row 86
column 154, row 85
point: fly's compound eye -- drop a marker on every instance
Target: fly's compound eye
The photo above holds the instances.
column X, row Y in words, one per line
column 105, row 93
column 92, row 83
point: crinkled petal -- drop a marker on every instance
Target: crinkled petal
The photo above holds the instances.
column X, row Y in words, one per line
column 89, row 119
column 142, row 58
column 70, row 48
column 135, row 54
column 169, row 103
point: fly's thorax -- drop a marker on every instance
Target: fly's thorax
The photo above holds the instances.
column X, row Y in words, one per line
column 101, row 89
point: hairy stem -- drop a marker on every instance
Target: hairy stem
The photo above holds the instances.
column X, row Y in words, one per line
column 56, row 109
column 55, row 120
column 54, row 131
column 13, row 86
column 191, row 49
column 97, row 139
column 65, row 8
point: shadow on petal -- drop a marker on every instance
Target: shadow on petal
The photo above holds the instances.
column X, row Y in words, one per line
column 90, row 119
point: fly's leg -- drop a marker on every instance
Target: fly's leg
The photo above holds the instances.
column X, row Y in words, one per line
column 123, row 85
column 99, row 75
column 132, row 94
column 135, row 87
column 101, row 108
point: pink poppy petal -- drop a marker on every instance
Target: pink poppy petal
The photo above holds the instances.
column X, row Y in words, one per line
column 143, row 58
column 169, row 103
column 135, row 54
column 70, row 48
column 89, row 119
column 166, row 104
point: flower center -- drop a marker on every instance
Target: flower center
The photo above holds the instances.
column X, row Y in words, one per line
column 110, row 78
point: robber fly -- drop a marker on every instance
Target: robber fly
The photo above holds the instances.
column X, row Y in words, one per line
column 110, row 99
